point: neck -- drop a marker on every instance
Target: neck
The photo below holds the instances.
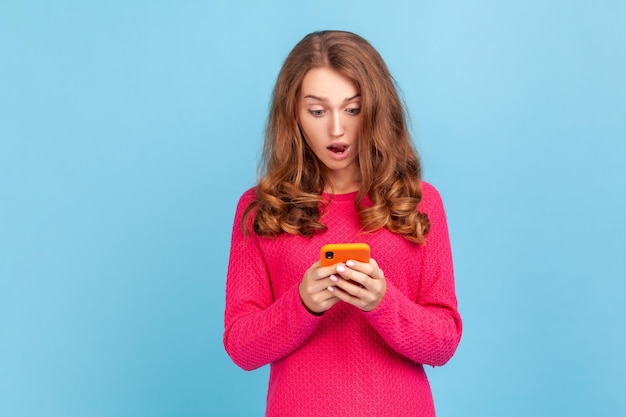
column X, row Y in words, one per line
column 343, row 181
column 343, row 186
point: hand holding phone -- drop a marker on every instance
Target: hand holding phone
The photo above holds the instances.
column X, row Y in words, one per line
column 335, row 253
column 362, row 284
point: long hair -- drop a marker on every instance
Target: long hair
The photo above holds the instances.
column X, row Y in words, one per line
column 292, row 179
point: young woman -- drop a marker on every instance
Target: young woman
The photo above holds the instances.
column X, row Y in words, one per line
column 339, row 166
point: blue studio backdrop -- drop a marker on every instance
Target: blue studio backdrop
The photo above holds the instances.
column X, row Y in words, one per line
column 128, row 131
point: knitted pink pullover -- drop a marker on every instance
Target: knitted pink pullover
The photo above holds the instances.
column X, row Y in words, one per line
column 346, row 362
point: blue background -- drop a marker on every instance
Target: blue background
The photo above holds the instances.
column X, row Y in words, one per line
column 128, row 130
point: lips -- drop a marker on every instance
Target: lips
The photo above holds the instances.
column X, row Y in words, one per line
column 337, row 148
column 338, row 151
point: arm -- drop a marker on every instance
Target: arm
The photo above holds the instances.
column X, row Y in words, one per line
column 259, row 329
column 427, row 331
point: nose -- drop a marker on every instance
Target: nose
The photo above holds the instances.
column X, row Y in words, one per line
column 336, row 128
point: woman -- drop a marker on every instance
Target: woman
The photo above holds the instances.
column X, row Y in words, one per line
column 338, row 166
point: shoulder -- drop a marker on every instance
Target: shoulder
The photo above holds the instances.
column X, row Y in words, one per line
column 431, row 203
column 430, row 197
column 247, row 197
column 428, row 189
column 250, row 193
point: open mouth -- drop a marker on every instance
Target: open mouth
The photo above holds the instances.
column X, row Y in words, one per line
column 337, row 148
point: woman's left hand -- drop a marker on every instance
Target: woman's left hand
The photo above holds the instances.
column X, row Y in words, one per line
column 361, row 284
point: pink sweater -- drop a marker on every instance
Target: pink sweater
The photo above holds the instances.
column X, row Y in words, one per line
column 346, row 362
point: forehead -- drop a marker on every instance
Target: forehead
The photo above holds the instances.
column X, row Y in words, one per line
column 327, row 83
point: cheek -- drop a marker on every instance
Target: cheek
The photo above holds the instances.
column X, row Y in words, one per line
column 306, row 135
column 355, row 126
column 355, row 129
column 311, row 133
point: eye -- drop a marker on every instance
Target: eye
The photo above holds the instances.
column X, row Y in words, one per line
column 353, row 110
column 316, row 113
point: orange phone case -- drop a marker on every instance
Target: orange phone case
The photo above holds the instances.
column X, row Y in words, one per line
column 334, row 253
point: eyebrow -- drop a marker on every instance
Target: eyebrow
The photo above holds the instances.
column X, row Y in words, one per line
column 325, row 99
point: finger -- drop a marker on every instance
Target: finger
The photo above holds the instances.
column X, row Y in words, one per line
column 324, row 272
column 322, row 285
column 327, row 294
column 328, row 303
column 361, row 300
column 370, row 269
column 327, row 298
column 352, row 288
column 350, row 274
column 342, row 294
column 360, row 297
column 318, row 301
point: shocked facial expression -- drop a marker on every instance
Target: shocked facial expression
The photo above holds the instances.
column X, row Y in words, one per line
column 329, row 108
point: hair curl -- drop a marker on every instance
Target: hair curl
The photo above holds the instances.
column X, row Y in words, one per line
column 292, row 179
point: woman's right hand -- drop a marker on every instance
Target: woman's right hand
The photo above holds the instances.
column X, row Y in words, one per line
column 317, row 288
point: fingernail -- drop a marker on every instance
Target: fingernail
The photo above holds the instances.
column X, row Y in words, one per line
column 350, row 263
column 334, row 278
column 341, row 268
column 331, row 289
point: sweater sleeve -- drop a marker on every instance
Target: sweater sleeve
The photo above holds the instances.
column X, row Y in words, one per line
column 258, row 329
column 426, row 330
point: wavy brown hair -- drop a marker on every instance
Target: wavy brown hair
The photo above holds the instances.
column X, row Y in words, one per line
column 292, row 179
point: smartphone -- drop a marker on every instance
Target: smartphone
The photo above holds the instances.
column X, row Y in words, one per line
column 334, row 253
